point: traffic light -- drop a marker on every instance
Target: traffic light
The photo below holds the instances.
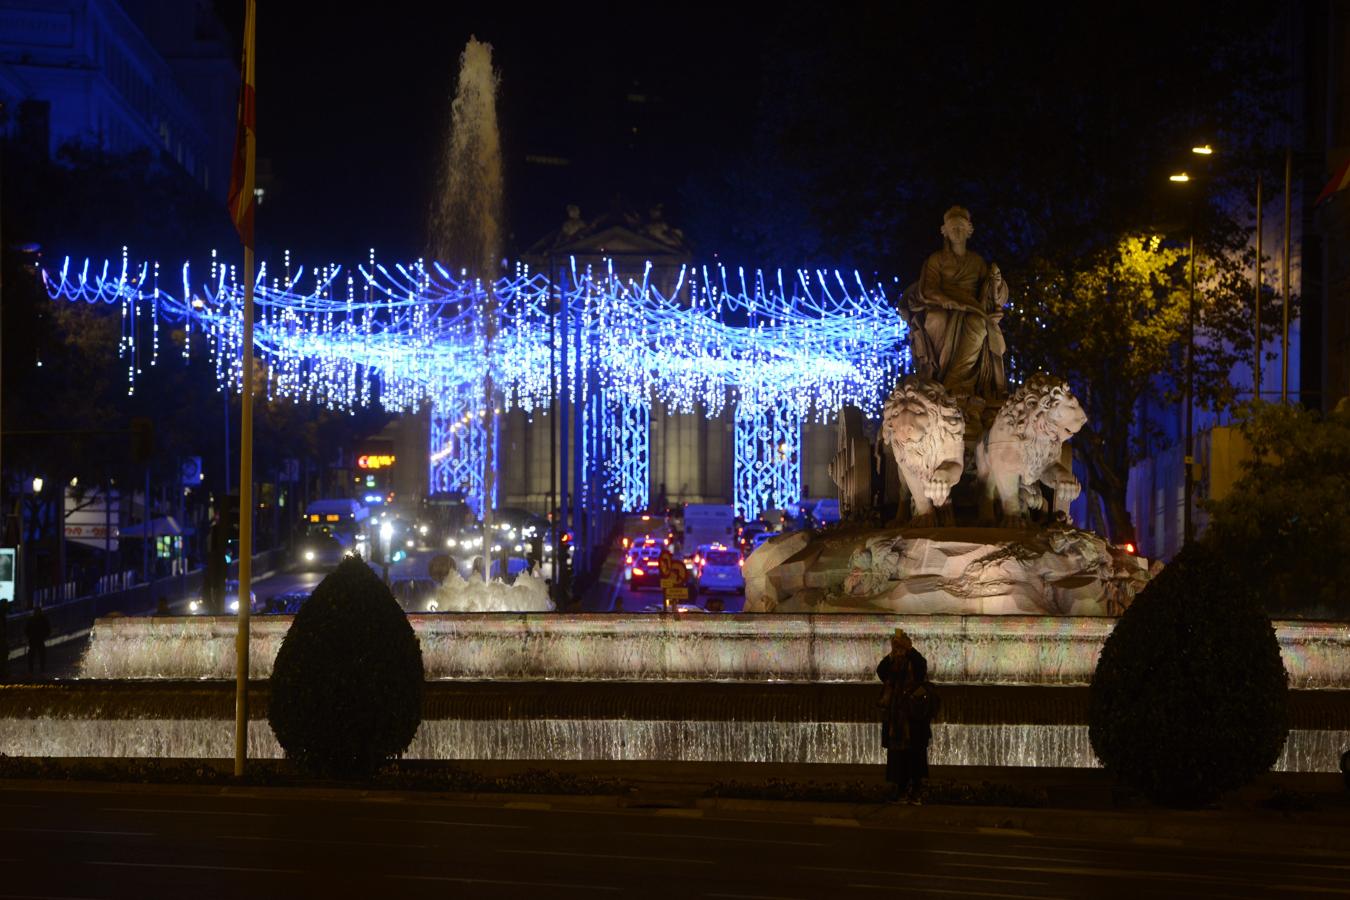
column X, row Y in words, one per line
column 142, row 440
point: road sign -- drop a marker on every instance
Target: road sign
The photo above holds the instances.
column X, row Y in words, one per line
column 190, row 470
column 677, row 593
column 6, row 575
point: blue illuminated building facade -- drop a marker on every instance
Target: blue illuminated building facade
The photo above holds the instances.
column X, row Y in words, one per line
column 136, row 75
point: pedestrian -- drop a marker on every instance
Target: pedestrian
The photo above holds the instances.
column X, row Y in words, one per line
column 906, row 728
column 38, row 630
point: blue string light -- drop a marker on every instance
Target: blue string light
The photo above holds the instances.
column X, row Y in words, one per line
column 784, row 348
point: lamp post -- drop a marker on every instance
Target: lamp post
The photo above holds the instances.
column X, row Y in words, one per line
column 1187, row 522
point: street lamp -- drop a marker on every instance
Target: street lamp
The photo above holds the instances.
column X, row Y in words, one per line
column 1187, row 523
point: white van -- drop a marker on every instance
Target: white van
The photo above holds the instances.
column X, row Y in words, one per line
column 708, row 523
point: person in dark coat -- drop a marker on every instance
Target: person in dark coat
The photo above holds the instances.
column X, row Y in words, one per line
column 905, row 726
column 37, row 630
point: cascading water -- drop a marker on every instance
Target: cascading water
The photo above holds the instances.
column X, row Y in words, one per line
column 1027, row 650
column 466, row 223
column 980, row 726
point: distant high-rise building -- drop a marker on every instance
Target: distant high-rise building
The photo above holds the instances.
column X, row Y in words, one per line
column 140, row 74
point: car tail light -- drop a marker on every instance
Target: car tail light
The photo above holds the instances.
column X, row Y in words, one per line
column 637, row 571
column 741, row 562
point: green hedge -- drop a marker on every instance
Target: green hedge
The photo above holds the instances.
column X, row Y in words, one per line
column 1190, row 697
column 347, row 684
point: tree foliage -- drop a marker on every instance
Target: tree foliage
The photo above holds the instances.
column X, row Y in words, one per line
column 890, row 114
column 1190, row 696
column 1284, row 523
column 346, row 689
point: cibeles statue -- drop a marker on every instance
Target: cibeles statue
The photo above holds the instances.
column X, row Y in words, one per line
column 953, row 312
column 1026, row 447
column 925, row 430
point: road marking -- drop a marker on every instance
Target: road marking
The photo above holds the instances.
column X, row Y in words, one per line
column 681, row 813
column 1156, row 841
column 78, row 831
column 527, row 804
column 1010, row 832
column 992, row 856
column 672, row 859
column 185, row 812
column 828, row 820
column 962, row 893
column 910, row 875
column 296, row 840
column 736, row 840
column 136, row 865
column 442, row 822
column 1083, row 869
column 559, row 884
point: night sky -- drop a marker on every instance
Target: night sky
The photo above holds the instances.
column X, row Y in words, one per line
column 353, row 112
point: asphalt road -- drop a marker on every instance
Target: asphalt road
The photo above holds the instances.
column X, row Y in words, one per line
column 66, row 842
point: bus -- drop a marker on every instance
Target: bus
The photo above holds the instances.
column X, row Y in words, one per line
column 333, row 528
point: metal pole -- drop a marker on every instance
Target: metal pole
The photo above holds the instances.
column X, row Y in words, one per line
column 489, row 424
column 1256, row 363
column 564, row 431
column 1187, row 525
column 553, row 433
column 241, row 638
column 1284, row 272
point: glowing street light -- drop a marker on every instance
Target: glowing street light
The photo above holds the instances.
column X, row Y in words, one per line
column 1180, row 176
column 1203, row 150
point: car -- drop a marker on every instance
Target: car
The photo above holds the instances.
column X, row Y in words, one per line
column 319, row 551
column 287, row 603
column 197, row 607
column 825, row 511
column 761, row 539
column 721, row 571
column 642, row 566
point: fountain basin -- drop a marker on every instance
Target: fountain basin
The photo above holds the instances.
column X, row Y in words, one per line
column 1023, row 650
column 983, row 725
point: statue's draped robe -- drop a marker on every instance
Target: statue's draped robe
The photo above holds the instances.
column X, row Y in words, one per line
column 960, row 347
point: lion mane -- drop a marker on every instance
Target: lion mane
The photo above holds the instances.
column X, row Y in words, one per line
column 945, row 425
column 1025, row 418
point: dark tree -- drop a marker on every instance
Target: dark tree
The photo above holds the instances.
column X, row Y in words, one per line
column 1190, row 697
column 347, row 682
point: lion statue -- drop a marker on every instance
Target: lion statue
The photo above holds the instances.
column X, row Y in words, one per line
column 925, row 431
column 1026, row 447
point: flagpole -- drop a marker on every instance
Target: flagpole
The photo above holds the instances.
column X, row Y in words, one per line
column 244, row 217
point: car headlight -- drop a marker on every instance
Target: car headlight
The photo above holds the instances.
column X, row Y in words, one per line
column 234, row 606
column 423, row 529
column 409, row 542
column 194, row 605
column 309, row 556
column 519, row 548
column 450, row 542
column 433, row 606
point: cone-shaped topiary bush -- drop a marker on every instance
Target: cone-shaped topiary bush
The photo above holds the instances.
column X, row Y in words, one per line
column 347, row 684
column 1190, row 695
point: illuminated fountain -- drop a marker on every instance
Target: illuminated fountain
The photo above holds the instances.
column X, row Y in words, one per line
column 754, row 687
